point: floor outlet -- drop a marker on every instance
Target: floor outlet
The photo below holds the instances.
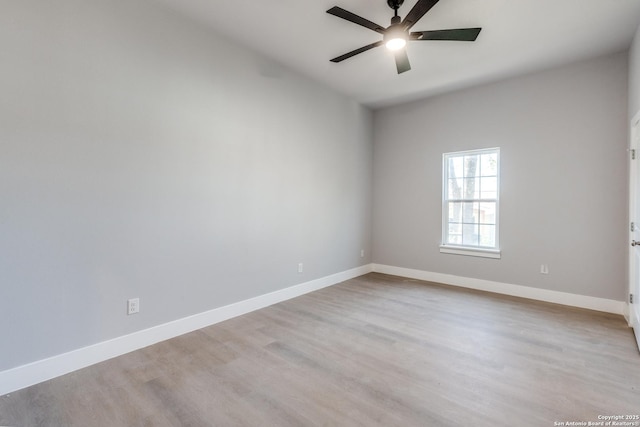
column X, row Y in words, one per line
column 133, row 306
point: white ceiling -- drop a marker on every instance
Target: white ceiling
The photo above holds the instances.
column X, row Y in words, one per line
column 518, row 36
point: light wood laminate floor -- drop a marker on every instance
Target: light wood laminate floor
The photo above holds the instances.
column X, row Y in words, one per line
column 373, row 351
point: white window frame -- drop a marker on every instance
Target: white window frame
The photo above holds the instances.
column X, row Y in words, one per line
column 479, row 251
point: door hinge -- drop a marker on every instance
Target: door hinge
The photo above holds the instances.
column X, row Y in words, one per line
column 632, row 227
column 633, row 154
column 630, row 298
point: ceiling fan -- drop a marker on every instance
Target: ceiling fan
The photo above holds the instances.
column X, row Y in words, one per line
column 396, row 35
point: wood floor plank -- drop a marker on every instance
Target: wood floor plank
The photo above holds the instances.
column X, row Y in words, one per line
column 377, row 350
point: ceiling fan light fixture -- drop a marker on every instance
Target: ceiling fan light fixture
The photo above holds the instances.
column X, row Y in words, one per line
column 395, row 38
column 396, row 44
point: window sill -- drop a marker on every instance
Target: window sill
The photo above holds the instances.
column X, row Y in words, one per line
column 459, row 250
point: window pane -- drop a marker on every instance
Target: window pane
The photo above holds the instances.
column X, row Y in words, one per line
column 469, row 212
column 487, row 213
column 455, row 167
column 489, row 188
column 471, row 166
column 455, row 189
column 489, row 164
column 470, row 234
column 455, row 240
column 488, row 235
column 471, row 188
column 455, row 234
column 455, row 212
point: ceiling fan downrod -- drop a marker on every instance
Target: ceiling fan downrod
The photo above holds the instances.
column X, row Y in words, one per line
column 395, row 5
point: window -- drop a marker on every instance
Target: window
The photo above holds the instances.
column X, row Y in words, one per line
column 471, row 188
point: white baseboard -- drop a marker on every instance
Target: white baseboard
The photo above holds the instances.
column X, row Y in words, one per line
column 582, row 301
column 46, row 369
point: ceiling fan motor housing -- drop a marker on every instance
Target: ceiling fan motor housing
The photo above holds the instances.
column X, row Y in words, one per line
column 395, row 4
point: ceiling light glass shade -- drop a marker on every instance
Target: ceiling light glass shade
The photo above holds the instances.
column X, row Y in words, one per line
column 396, row 43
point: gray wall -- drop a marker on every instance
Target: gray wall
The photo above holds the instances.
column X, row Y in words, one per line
column 563, row 140
column 142, row 155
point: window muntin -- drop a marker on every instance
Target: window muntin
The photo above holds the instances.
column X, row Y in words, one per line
column 470, row 199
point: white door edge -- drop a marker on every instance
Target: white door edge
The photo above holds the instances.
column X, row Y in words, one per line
column 634, row 234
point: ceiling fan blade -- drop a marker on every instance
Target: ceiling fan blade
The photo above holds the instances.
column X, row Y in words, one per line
column 402, row 61
column 418, row 11
column 459, row 34
column 352, row 17
column 357, row 51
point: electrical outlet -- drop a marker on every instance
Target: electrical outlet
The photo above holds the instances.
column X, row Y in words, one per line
column 361, row 253
column 133, row 306
column 544, row 269
column 300, row 267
